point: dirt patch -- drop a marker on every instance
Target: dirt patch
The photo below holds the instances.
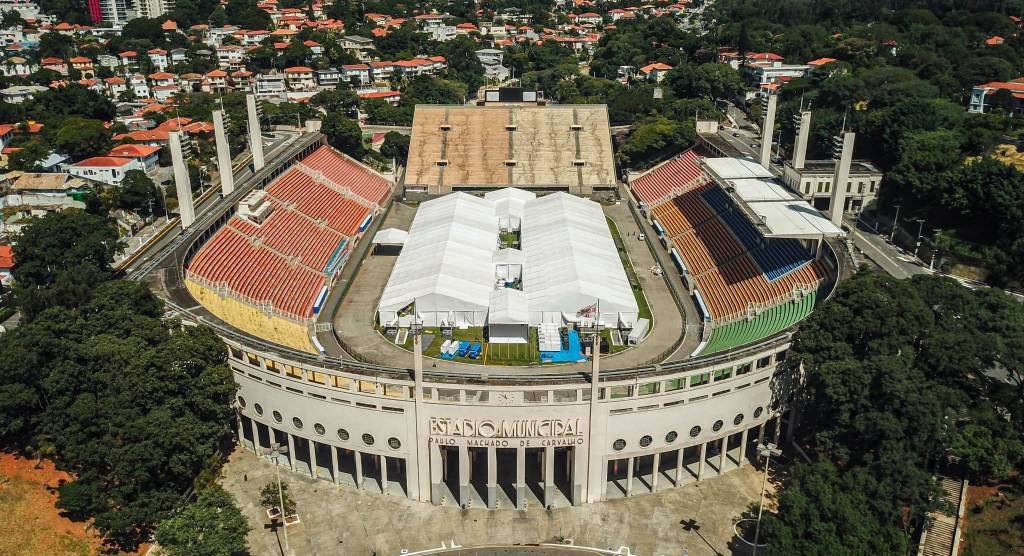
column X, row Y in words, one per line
column 993, row 521
column 28, row 493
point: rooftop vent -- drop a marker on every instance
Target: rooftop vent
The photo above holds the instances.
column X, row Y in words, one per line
column 446, row 127
column 255, row 207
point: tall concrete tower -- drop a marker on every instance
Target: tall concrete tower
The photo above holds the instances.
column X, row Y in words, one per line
column 767, row 130
column 844, row 150
column 255, row 139
column 803, row 130
column 227, row 179
column 186, row 207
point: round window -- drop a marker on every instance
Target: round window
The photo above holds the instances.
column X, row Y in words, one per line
column 297, row 423
column 717, row 426
column 738, row 419
column 671, row 437
column 277, row 416
column 343, row 434
column 368, row 439
column 758, row 412
column 619, row 445
column 258, row 408
column 645, row 440
column 394, row 443
column 241, row 402
column 319, row 429
column 695, row 431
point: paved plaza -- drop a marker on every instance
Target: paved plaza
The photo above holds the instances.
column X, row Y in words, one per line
column 339, row 520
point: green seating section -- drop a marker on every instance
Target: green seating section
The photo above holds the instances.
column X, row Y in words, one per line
column 769, row 322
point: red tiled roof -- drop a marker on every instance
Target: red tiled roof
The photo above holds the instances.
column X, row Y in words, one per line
column 133, row 151
column 6, row 256
column 5, row 129
column 298, row 69
column 103, row 162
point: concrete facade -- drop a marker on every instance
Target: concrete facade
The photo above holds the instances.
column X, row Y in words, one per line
column 530, row 443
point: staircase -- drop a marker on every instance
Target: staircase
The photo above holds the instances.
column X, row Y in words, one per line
column 941, row 535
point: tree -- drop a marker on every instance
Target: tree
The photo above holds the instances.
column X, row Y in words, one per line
column 81, row 369
column 213, row 525
column 138, row 193
column 247, row 15
column 81, row 138
column 653, row 139
column 63, row 243
column 270, row 497
column 822, row 512
column 344, row 134
column 396, row 145
column 56, row 45
column 340, row 100
column 28, row 157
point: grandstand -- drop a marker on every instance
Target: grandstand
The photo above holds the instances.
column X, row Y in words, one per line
column 748, row 280
column 279, row 253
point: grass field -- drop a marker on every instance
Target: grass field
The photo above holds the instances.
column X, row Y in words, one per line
column 994, row 521
column 34, row 525
column 493, row 354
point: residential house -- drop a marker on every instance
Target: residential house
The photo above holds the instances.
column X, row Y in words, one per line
column 328, row 78
column 655, row 72
column 360, row 47
column 16, row 66
column 139, row 87
column 55, row 64
column 145, row 155
column 271, row 84
column 158, row 57
column 356, row 74
column 104, row 169
column 231, row 57
column 17, row 94
column 300, row 78
column 83, row 65
column 216, row 81
column 116, row 86
column 129, row 60
column 1008, row 94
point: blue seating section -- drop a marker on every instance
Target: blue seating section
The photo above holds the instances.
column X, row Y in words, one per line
column 776, row 257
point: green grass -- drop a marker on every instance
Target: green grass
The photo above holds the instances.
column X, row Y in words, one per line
column 6, row 313
column 496, row 354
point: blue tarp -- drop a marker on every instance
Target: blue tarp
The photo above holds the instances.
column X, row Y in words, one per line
column 571, row 354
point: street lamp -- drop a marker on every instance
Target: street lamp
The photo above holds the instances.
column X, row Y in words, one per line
column 895, row 220
column 920, row 228
column 935, row 247
column 275, row 450
column 766, row 451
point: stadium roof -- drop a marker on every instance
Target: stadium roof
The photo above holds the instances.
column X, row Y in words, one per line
column 773, row 208
column 561, row 147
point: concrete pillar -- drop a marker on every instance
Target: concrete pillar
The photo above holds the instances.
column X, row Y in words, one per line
column 840, row 179
column 436, row 476
column 419, row 481
column 767, row 131
column 227, row 179
column 596, row 475
column 241, row 430
column 549, row 476
column 803, row 131
column 629, row 478
column 521, row 478
column 334, row 464
column 464, row 476
column 312, row 458
column 186, row 206
column 793, row 418
column 700, row 463
column 384, row 474
column 760, row 432
column 721, row 454
column 579, row 473
column 359, row 470
column 654, row 471
column 255, row 138
column 492, row 478
column 743, row 448
column 680, row 465
column 291, row 451
column 778, row 430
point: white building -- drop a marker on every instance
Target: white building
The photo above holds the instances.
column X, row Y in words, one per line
column 453, row 267
column 105, row 169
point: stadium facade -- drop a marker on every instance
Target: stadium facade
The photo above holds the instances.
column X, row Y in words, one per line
column 500, row 438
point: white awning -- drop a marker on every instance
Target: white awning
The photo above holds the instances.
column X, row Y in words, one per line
column 508, row 306
column 390, row 236
column 796, row 219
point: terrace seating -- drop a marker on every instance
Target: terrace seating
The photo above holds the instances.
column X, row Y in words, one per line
column 348, row 174
column 771, row 321
column 684, row 212
column 667, row 179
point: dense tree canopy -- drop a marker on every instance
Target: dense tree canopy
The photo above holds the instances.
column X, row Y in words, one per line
column 902, row 377
column 212, row 525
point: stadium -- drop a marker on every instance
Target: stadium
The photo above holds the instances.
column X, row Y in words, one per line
column 487, row 330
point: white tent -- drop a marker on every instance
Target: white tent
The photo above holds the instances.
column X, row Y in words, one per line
column 445, row 266
column 509, row 206
column 390, row 236
column 572, row 265
column 509, row 317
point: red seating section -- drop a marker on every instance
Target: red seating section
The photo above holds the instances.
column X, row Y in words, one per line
column 669, row 179
column 349, row 174
column 283, row 260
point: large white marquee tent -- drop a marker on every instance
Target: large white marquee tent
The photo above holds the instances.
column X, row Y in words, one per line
column 454, row 273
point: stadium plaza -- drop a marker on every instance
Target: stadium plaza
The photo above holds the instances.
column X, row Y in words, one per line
column 509, row 251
